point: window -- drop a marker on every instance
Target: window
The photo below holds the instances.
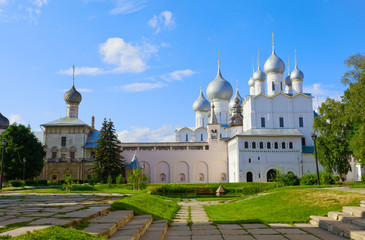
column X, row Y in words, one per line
column 268, row 144
column 253, row 144
column 283, row 145
column 246, row 145
column 281, row 121
column 182, row 177
column 291, row 145
column 63, row 157
column 281, row 86
column 186, row 138
column 249, row 160
column 303, row 141
column 92, row 155
column 201, row 177
column 63, row 141
column 273, row 86
column 263, row 122
column 54, row 155
column 223, row 177
column 301, row 122
column 258, row 158
column 276, row 145
column 201, row 137
column 261, row 145
column 72, row 155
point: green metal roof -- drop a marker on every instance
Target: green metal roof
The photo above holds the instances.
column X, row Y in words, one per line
column 66, row 121
column 308, row 149
column 271, row 132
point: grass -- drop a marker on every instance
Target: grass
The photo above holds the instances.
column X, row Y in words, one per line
column 55, row 233
column 143, row 204
column 284, row 205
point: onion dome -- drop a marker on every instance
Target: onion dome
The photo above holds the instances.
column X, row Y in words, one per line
column 297, row 74
column 4, row 122
column 274, row 64
column 72, row 95
column 219, row 88
column 237, row 118
column 201, row 104
column 251, row 82
column 232, row 103
column 287, row 80
column 259, row 75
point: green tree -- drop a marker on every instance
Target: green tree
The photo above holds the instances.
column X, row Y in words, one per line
column 334, row 130
column 21, row 144
column 107, row 153
column 354, row 99
column 137, row 178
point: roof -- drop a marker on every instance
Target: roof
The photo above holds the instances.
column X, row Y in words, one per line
column 91, row 139
column 134, row 163
column 66, row 121
column 271, row 132
column 307, row 149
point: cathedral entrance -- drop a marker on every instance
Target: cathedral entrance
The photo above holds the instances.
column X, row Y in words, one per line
column 270, row 176
column 249, row 177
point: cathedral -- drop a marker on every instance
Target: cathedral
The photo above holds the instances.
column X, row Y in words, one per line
column 235, row 139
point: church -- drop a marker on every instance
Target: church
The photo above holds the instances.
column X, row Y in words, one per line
column 235, row 139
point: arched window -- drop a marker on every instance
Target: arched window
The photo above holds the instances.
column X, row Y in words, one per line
column 281, row 86
column 270, row 176
column 268, row 144
column 261, row 145
column 253, row 144
column 249, row 177
column 182, row 177
column 223, row 177
column 273, row 86
column 249, row 160
column 283, row 145
column 258, row 158
column 303, row 141
column 201, row 137
column 291, row 145
column 276, row 145
column 186, row 138
column 246, row 145
column 201, row 177
column 163, row 177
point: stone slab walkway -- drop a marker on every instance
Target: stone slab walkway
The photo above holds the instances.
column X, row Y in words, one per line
column 208, row 231
column 198, row 214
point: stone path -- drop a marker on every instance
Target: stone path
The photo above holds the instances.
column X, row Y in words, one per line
column 208, row 231
column 198, row 214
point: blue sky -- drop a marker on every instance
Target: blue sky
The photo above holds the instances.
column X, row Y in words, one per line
column 141, row 63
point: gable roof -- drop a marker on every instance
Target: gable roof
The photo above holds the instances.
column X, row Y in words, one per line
column 264, row 132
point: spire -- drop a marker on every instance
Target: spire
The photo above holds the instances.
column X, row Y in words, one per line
column 288, row 65
column 214, row 117
column 73, row 75
column 296, row 63
column 258, row 59
column 219, row 63
column 273, row 45
column 237, row 85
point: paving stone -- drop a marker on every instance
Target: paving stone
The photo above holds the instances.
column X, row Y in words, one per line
column 22, row 230
column 15, row 220
column 233, row 231
column 302, row 237
column 237, row 237
column 254, row 225
column 178, row 233
column 54, row 221
column 209, row 237
column 318, row 231
column 280, row 225
column 290, row 231
column 38, row 214
column 177, row 237
column 270, row 237
column 229, row 226
column 196, row 232
column 262, row 231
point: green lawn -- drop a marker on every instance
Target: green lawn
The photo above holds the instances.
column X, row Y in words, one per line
column 284, row 205
column 55, row 233
column 147, row 204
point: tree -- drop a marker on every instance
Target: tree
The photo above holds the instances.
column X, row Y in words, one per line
column 355, row 104
column 137, row 178
column 21, row 144
column 334, row 129
column 107, row 153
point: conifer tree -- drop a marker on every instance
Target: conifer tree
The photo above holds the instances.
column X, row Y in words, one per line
column 107, row 153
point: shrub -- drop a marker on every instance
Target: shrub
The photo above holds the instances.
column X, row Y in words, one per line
column 308, row 179
column 362, row 178
column 82, row 187
column 326, row 178
column 110, row 181
column 119, row 179
column 35, row 182
column 16, row 183
column 290, row 179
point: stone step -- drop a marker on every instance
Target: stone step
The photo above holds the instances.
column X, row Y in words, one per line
column 156, row 231
column 109, row 223
column 134, row 229
column 337, row 227
column 354, row 211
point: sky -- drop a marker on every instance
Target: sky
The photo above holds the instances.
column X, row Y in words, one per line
column 141, row 63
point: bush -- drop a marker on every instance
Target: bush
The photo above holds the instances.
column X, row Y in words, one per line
column 35, row 182
column 308, row 179
column 326, row 178
column 362, row 178
column 290, row 179
column 16, row 183
column 119, row 179
column 82, row 187
column 109, row 181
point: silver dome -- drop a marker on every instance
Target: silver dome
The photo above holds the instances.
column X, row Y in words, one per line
column 274, row 65
column 232, row 103
column 201, row 103
column 287, row 80
column 72, row 96
column 259, row 75
column 251, row 82
column 4, row 122
column 219, row 88
column 297, row 74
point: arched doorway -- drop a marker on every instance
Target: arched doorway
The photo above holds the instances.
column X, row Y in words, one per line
column 270, row 176
column 249, row 177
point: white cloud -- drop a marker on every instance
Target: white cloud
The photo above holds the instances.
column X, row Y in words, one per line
column 127, row 6
column 177, row 75
column 144, row 134
column 40, row 3
column 3, row 2
column 164, row 21
column 16, row 118
column 82, row 71
column 321, row 93
column 138, row 87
